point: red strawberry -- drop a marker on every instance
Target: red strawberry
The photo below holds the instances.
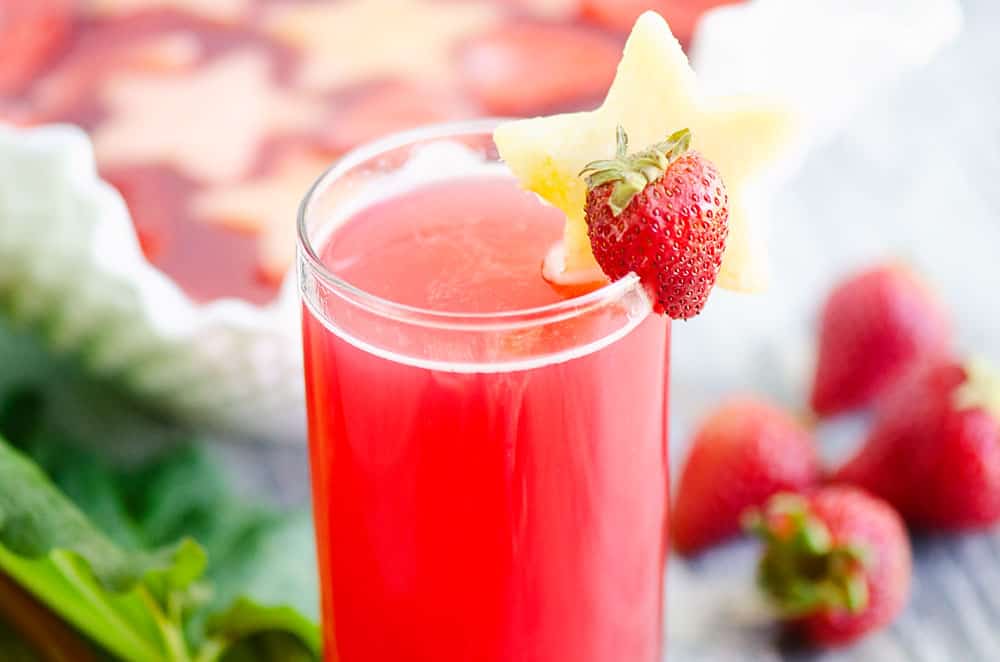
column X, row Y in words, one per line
column 874, row 326
column 530, row 68
column 836, row 563
column 663, row 214
column 934, row 451
column 621, row 15
column 744, row 453
column 31, row 32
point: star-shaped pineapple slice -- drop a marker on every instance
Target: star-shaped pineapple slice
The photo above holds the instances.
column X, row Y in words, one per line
column 654, row 94
column 353, row 40
column 208, row 123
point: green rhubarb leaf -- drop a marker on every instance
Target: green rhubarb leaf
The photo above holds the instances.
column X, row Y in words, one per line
column 121, row 600
column 269, row 647
column 269, row 585
column 250, row 631
column 26, row 625
column 257, row 600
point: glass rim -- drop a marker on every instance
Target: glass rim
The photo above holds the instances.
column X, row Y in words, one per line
column 308, row 257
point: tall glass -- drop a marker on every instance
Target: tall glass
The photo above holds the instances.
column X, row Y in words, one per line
column 487, row 486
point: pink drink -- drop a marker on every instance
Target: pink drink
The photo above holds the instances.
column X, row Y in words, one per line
column 489, row 485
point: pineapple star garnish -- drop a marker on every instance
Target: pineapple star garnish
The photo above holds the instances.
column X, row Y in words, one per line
column 654, row 94
column 208, row 123
column 355, row 40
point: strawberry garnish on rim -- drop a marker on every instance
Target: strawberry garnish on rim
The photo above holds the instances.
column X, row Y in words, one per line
column 654, row 93
column 661, row 213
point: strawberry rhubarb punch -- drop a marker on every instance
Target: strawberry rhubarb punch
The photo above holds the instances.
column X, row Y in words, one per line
column 486, row 327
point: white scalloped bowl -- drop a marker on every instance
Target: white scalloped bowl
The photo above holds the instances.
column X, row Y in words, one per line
column 71, row 269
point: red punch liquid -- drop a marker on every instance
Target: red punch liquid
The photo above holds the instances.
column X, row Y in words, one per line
column 474, row 515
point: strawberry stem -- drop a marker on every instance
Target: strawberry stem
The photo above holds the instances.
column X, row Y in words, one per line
column 802, row 570
column 631, row 173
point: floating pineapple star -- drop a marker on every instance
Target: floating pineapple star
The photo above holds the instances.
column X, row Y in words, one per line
column 267, row 205
column 208, row 124
column 355, row 40
column 217, row 10
column 654, row 94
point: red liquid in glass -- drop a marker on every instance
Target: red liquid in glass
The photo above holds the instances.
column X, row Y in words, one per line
column 483, row 516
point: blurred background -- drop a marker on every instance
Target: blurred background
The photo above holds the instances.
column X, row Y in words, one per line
column 211, row 118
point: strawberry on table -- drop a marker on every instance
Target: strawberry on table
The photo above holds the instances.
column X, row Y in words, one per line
column 934, row 451
column 873, row 326
column 526, row 68
column 744, row 453
column 836, row 563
